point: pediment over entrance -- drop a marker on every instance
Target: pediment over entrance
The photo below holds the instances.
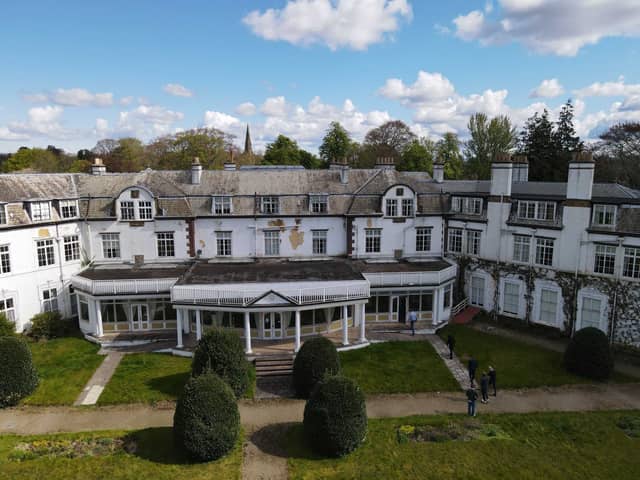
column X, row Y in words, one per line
column 271, row 298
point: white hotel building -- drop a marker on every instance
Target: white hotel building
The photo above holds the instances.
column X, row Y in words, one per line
column 284, row 252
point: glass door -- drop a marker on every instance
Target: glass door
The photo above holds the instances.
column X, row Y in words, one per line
column 394, row 317
column 140, row 316
column 477, row 291
column 272, row 323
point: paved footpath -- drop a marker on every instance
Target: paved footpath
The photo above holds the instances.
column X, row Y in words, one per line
column 256, row 415
column 99, row 379
column 453, row 364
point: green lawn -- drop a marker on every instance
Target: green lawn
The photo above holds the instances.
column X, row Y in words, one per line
column 517, row 364
column 541, row 446
column 150, row 378
column 155, row 457
column 398, row 367
column 64, row 366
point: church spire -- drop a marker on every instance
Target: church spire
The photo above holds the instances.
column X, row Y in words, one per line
column 248, row 149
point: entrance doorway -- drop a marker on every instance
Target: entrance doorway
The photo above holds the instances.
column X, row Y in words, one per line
column 139, row 316
column 272, row 323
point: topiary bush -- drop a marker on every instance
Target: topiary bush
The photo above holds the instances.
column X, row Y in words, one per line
column 206, row 422
column 317, row 358
column 588, row 354
column 7, row 327
column 335, row 417
column 221, row 351
column 49, row 325
column 18, row 376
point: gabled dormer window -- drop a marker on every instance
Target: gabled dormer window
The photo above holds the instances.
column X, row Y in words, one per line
column 318, row 203
column 3, row 214
column 136, row 210
column 269, row 205
column 68, row 208
column 221, row 205
column 40, row 211
column 604, row 215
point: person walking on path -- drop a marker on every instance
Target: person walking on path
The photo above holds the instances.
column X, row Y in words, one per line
column 473, row 366
column 484, row 387
column 492, row 380
column 451, row 343
column 472, row 396
column 413, row 317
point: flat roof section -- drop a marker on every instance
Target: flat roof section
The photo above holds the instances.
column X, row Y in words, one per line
column 131, row 272
column 434, row 265
column 270, row 271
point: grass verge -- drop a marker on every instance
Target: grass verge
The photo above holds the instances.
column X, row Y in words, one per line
column 561, row 446
column 398, row 367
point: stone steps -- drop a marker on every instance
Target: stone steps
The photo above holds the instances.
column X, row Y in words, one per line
column 274, row 365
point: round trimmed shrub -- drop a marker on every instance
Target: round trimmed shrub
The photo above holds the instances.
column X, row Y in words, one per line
column 18, row 376
column 49, row 325
column 7, row 327
column 317, row 357
column 589, row 354
column 221, row 351
column 206, row 422
column 335, row 417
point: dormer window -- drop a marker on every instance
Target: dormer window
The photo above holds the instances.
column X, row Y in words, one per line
column 407, row 207
column 127, row 210
column 270, row 205
column 533, row 210
column 145, row 210
column 399, row 202
column 604, row 215
column 392, row 207
column 221, row 205
column 68, row 208
column 466, row 205
column 318, row 203
column 40, row 211
column 139, row 210
column 3, row 214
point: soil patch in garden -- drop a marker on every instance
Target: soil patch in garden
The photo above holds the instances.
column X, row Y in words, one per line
column 470, row 429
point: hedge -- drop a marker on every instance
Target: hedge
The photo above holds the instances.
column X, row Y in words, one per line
column 588, row 354
column 317, row 357
column 18, row 376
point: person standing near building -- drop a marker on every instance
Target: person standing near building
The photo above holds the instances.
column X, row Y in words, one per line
column 484, row 387
column 492, row 380
column 451, row 343
column 413, row 317
column 472, row 396
column 473, row 366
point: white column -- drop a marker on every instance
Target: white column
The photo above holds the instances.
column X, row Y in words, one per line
column 186, row 320
column 436, row 306
column 363, row 337
column 99, row 330
column 179, row 327
column 247, row 333
column 198, row 326
column 297, row 345
column 345, row 326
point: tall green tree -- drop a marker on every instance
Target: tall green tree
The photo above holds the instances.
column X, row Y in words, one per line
column 336, row 144
column 538, row 142
column 448, row 150
column 389, row 139
column 285, row 151
column 617, row 155
column 38, row 159
column 487, row 139
column 418, row 156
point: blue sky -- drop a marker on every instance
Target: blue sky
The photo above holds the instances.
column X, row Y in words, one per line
column 76, row 72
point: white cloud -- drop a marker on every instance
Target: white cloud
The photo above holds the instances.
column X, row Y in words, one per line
column 609, row 89
column 547, row 89
column 428, row 86
column 274, row 107
column 72, row 97
column 147, row 121
column 126, row 100
column 177, row 90
column 246, row 109
column 560, row 27
column 42, row 121
column 220, row 120
column 102, row 128
column 353, row 24
column 7, row 135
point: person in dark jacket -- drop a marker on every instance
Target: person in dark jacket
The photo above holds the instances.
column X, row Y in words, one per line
column 473, row 366
column 451, row 343
column 484, row 387
column 492, row 380
column 472, row 396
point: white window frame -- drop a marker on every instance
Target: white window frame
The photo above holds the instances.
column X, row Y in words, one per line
column 68, row 208
column 455, row 234
column 49, row 299
column 318, row 203
column 467, row 205
column 40, row 211
column 128, row 206
column 372, row 240
column 541, row 247
column 145, row 210
column 45, row 252
column 472, row 244
column 473, row 296
column 456, row 204
column 270, row 205
column 423, row 239
column 166, row 244
column 507, row 308
column 536, row 210
column 5, row 259
column 407, row 207
column 604, row 259
column 521, row 248
column 631, row 262
column 272, row 243
column 319, row 242
column 111, row 243
column 3, row 214
column 221, row 205
column 391, row 207
column 601, row 212
column 224, row 243
column 71, row 248
column 591, row 297
column 538, row 318
column 9, row 311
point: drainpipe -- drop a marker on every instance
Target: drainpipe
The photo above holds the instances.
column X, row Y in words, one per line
column 613, row 314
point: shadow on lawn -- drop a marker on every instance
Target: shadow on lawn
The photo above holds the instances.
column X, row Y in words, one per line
column 169, row 384
column 156, row 445
column 285, row 440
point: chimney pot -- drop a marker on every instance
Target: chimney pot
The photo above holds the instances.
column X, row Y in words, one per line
column 98, row 167
column 196, row 171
